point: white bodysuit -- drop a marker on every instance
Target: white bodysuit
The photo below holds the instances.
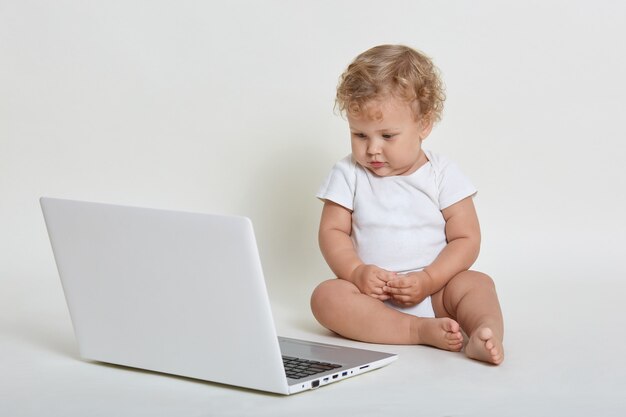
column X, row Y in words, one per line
column 397, row 222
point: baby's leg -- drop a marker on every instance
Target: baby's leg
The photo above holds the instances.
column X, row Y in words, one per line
column 339, row 306
column 471, row 299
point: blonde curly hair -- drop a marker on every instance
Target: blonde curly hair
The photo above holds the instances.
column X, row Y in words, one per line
column 391, row 71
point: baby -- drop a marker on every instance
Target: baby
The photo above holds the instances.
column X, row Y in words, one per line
column 398, row 226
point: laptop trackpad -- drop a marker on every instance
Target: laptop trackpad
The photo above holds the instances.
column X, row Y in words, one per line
column 345, row 356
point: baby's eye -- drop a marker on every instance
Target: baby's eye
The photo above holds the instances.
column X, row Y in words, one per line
column 388, row 136
column 359, row 135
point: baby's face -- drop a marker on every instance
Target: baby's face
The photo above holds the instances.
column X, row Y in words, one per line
column 388, row 140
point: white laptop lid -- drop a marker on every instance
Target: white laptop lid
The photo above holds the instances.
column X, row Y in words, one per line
column 116, row 301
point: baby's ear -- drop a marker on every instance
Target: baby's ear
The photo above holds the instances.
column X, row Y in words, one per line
column 426, row 126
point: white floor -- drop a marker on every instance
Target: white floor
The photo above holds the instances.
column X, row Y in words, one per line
column 564, row 358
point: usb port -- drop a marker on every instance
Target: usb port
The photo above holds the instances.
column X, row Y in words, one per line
column 344, row 373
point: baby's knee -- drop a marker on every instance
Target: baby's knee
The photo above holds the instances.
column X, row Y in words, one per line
column 474, row 279
column 322, row 293
column 483, row 279
column 320, row 299
column 326, row 294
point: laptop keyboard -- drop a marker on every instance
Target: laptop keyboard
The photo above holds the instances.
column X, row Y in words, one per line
column 297, row 368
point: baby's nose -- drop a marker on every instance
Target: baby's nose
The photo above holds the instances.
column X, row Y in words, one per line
column 373, row 147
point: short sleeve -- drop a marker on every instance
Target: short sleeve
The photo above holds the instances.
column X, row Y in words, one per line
column 340, row 183
column 452, row 184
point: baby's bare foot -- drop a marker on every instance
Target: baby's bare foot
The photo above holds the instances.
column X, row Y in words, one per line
column 484, row 346
column 443, row 333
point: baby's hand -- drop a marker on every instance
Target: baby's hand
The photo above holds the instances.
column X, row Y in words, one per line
column 410, row 289
column 371, row 280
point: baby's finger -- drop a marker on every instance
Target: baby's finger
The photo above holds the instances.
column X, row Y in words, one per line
column 404, row 301
column 386, row 276
column 392, row 290
column 401, row 282
column 382, row 297
column 402, row 298
column 379, row 284
column 376, row 290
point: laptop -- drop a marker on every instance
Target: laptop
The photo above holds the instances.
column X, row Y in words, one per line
column 184, row 294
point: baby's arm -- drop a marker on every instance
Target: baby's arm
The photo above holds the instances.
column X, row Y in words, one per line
column 463, row 236
column 339, row 252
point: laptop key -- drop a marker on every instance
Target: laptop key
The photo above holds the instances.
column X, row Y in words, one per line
column 297, row 368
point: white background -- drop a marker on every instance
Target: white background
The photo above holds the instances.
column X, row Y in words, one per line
column 227, row 107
